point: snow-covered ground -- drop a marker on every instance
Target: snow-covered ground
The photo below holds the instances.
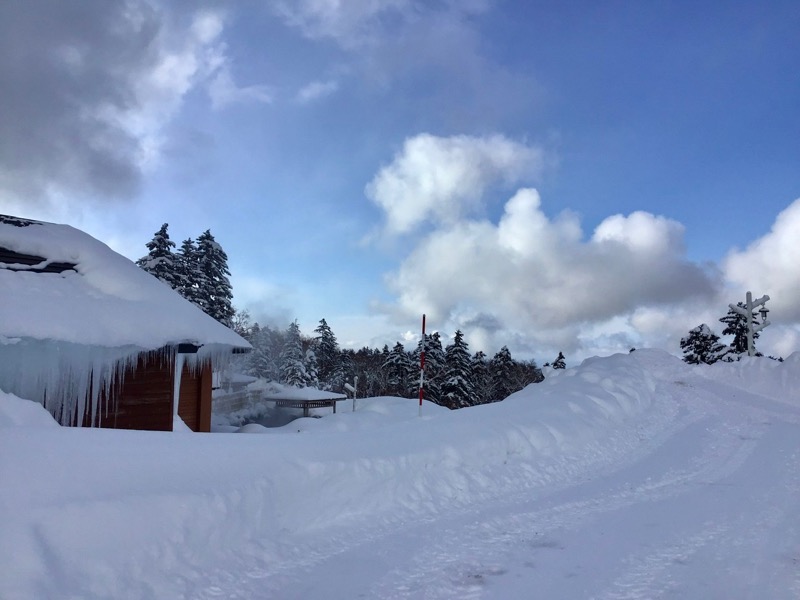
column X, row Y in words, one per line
column 633, row 476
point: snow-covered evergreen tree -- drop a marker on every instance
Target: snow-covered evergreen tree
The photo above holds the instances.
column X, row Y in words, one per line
column 458, row 390
column 481, row 378
column 312, row 370
column 188, row 277
column 292, row 367
column 367, row 364
column 434, row 366
column 702, row 346
column 736, row 325
column 400, row 371
column 160, row 260
column 215, row 287
column 264, row 360
column 560, row 362
column 501, row 370
column 329, row 358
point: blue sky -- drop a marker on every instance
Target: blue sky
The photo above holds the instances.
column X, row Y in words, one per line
column 580, row 176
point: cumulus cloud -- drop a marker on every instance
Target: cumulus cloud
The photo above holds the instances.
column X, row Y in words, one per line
column 770, row 265
column 539, row 273
column 527, row 277
column 442, row 179
column 89, row 88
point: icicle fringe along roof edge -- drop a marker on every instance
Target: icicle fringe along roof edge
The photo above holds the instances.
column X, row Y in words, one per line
column 67, row 378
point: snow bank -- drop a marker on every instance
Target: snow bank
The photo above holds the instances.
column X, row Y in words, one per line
column 16, row 412
column 124, row 514
column 774, row 379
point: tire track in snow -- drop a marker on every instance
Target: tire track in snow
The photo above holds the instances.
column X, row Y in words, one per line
column 440, row 569
column 646, row 577
column 445, row 567
column 661, row 573
column 282, row 565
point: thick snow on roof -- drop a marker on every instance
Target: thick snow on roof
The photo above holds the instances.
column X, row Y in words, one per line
column 105, row 301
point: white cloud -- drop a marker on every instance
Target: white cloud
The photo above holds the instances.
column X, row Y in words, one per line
column 224, row 92
column 444, row 179
column 770, row 266
column 527, row 277
column 350, row 23
column 316, row 90
column 356, row 23
column 537, row 272
column 641, row 233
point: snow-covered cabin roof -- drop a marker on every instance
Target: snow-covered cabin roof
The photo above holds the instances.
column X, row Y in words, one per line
column 95, row 297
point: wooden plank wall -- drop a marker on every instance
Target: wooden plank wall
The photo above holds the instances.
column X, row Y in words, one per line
column 194, row 403
column 144, row 401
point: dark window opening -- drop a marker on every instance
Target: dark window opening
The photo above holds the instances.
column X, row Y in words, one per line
column 15, row 261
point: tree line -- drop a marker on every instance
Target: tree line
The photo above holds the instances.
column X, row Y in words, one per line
column 454, row 377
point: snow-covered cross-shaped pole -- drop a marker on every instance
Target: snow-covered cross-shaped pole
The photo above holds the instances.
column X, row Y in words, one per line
column 747, row 313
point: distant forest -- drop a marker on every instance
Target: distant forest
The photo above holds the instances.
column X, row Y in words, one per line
column 453, row 377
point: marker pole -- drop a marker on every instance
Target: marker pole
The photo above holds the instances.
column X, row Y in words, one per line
column 422, row 368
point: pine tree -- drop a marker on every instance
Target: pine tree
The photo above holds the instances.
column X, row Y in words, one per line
column 160, row 261
column 399, row 372
column 702, row 346
column 188, row 277
column 434, row 366
column 458, row 389
column 328, row 355
column 264, row 360
column 560, row 362
column 736, row 325
column 481, row 379
column 292, row 367
column 215, row 287
column 367, row 364
column 501, row 370
column 310, row 365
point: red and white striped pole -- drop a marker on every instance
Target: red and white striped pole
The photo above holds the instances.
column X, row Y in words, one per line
column 422, row 368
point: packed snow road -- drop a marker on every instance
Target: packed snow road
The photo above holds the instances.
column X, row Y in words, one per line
column 709, row 509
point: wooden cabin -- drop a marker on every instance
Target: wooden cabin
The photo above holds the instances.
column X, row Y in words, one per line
column 98, row 341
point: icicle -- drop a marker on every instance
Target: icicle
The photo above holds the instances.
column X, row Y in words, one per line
column 176, row 392
column 68, row 379
column 78, row 384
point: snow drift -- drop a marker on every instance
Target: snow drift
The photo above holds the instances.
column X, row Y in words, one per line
column 101, row 513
